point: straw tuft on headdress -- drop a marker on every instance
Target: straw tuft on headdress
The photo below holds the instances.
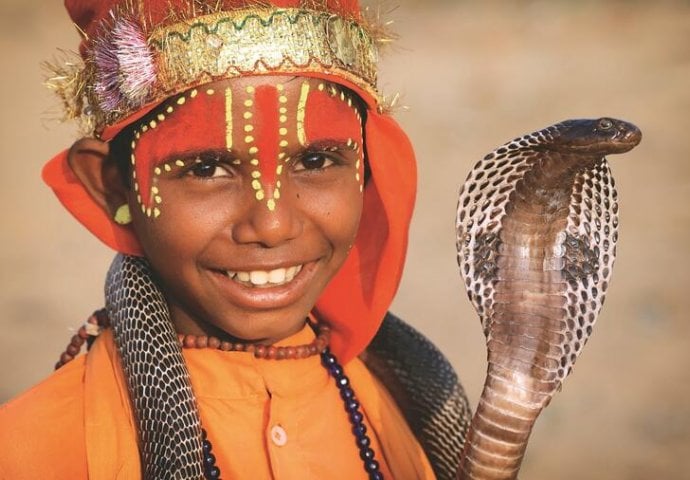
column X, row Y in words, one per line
column 68, row 78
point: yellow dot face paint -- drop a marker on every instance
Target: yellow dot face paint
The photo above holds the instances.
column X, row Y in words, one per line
column 264, row 129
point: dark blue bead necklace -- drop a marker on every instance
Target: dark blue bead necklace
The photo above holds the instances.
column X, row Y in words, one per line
column 211, row 471
column 366, row 453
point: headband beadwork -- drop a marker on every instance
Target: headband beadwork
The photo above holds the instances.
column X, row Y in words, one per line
column 127, row 68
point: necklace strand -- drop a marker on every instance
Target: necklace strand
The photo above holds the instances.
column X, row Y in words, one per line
column 359, row 430
column 99, row 320
column 268, row 352
column 366, row 453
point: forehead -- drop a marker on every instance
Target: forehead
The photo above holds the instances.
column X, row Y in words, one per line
column 223, row 114
column 259, row 120
column 218, row 101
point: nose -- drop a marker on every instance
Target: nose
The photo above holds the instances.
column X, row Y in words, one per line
column 269, row 227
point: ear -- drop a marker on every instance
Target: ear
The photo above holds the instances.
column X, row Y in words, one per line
column 98, row 172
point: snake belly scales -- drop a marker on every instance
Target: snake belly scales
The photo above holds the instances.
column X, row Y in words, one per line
column 537, row 286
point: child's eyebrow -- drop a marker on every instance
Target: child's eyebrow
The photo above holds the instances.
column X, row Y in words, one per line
column 334, row 144
column 330, row 142
column 186, row 154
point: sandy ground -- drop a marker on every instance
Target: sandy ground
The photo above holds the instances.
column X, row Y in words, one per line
column 473, row 75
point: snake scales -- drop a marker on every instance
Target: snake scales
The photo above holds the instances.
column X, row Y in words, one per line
column 536, row 241
column 537, row 230
column 165, row 410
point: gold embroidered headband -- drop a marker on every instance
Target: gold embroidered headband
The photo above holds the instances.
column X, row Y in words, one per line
column 127, row 69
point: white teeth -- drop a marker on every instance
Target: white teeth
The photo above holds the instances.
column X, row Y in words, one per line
column 260, row 278
column 290, row 273
column 276, row 276
column 257, row 277
column 243, row 276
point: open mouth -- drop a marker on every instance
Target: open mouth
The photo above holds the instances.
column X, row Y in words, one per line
column 268, row 288
column 265, row 278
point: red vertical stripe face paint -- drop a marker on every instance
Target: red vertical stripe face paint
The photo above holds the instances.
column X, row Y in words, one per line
column 268, row 132
column 267, row 138
column 319, row 113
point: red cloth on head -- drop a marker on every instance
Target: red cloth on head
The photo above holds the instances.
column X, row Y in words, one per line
column 87, row 14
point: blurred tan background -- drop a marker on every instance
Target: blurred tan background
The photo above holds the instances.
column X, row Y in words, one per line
column 474, row 75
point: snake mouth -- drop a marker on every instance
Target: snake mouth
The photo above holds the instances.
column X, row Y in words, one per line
column 632, row 137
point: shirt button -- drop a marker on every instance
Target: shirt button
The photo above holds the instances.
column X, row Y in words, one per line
column 278, row 435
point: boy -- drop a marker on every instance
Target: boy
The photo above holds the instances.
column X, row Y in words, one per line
column 242, row 164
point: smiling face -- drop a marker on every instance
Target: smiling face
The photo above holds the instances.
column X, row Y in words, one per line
column 246, row 196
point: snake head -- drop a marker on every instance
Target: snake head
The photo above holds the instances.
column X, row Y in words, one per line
column 600, row 136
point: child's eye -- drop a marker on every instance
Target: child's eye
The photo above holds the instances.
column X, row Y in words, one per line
column 208, row 168
column 314, row 161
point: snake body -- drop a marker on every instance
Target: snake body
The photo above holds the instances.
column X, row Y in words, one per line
column 170, row 444
column 536, row 240
column 537, row 230
column 160, row 391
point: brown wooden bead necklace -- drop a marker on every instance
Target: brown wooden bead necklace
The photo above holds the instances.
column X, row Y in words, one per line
column 87, row 333
column 99, row 320
column 268, row 352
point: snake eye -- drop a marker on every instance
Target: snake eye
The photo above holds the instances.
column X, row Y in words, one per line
column 605, row 124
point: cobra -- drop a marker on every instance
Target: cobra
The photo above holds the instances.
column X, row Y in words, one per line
column 536, row 237
column 536, row 225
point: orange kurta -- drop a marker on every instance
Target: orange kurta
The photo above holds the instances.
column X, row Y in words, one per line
column 266, row 419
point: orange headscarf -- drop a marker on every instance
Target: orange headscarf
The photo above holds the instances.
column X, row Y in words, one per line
column 357, row 298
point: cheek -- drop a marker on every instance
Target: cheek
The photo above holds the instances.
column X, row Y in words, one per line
column 183, row 232
column 337, row 213
column 350, row 210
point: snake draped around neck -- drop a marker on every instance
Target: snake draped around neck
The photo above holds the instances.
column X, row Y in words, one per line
column 241, row 401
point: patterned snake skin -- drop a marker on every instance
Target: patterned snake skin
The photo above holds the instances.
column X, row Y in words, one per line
column 422, row 380
column 537, row 230
column 157, row 377
column 430, row 396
